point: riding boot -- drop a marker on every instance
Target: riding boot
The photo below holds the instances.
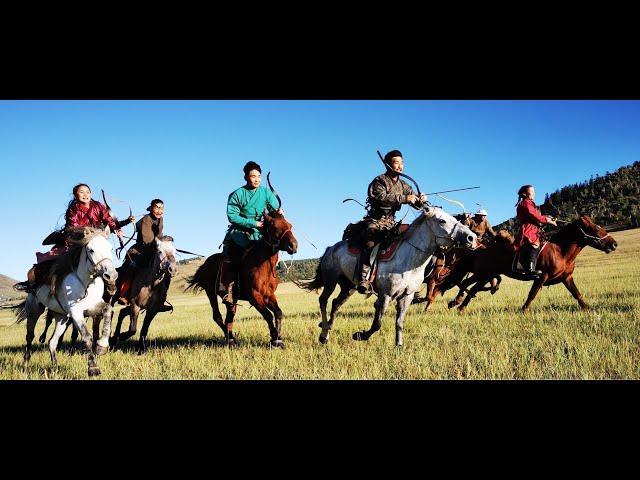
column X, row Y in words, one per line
column 529, row 262
column 364, row 285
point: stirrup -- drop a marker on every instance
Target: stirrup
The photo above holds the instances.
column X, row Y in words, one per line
column 364, row 287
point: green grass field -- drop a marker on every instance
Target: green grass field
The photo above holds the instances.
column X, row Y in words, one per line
column 491, row 340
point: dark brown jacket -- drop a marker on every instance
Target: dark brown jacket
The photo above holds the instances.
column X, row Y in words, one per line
column 481, row 228
column 387, row 196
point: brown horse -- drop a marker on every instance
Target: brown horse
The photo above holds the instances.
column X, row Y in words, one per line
column 449, row 271
column 556, row 260
column 258, row 278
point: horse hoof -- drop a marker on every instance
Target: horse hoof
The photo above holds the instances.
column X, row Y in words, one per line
column 460, row 309
column 100, row 350
column 358, row 336
column 94, row 371
column 277, row 343
column 141, row 351
column 323, row 339
column 452, row 304
column 231, row 343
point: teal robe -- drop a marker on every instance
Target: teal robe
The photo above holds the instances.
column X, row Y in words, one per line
column 244, row 209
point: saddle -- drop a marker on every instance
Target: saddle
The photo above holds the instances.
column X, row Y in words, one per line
column 517, row 267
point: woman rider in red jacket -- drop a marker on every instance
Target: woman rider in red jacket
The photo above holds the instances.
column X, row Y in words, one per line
column 528, row 237
column 82, row 211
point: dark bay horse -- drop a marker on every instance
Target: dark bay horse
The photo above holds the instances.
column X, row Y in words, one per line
column 148, row 292
column 556, row 260
column 450, row 271
column 258, row 278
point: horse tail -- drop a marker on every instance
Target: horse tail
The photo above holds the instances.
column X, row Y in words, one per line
column 20, row 311
column 316, row 282
column 205, row 275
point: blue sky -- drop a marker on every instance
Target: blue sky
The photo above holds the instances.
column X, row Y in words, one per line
column 191, row 153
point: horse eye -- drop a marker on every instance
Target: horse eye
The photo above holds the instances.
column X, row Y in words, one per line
column 443, row 221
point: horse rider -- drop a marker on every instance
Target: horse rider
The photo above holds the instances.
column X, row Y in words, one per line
column 528, row 237
column 386, row 195
column 245, row 207
column 140, row 255
column 481, row 226
column 82, row 211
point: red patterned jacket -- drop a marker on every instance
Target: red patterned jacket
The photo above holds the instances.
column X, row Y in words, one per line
column 95, row 216
column 530, row 219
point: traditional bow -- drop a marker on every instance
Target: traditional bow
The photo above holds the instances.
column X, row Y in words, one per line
column 122, row 244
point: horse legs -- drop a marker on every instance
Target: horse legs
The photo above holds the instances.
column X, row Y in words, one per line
column 102, row 345
column 495, row 284
column 217, row 316
column 432, row 292
column 78, row 320
column 228, row 325
column 142, row 342
column 323, row 300
column 346, row 290
column 402, row 305
column 535, row 289
column 49, row 319
column 34, row 309
column 571, row 286
column 259, row 303
column 61, row 327
column 133, row 322
column 272, row 304
column 381, row 306
column 116, row 336
column 463, row 287
column 479, row 286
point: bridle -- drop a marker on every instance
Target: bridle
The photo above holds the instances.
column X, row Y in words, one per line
column 276, row 244
column 95, row 265
column 598, row 240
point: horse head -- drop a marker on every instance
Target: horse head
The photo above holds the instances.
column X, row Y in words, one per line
column 278, row 232
column 594, row 235
column 99, row 259
column 165, row 260
column 447, row 230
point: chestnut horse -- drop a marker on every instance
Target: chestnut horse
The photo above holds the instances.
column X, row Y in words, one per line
column 556, row 260
column 258, row 278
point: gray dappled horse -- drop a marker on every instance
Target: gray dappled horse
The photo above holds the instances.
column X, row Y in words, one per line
column 79, row 293
column 397, row 279
column 148, row 292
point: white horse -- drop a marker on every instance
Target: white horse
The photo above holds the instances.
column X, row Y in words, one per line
column 83, row 273
column 397, row 279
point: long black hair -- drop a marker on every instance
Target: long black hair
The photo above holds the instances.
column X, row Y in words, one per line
column 73, row 201
column 523, row 192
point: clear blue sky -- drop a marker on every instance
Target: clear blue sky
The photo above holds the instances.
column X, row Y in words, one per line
column 190, row 154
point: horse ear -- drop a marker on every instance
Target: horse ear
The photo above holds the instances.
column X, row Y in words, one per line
column 107, row 231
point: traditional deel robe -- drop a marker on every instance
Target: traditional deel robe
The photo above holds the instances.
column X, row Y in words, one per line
column 244, row 209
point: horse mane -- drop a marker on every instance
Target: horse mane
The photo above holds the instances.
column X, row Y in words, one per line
column 63, row 266
column 562, row 235
column 66, row 263
column 413, row 225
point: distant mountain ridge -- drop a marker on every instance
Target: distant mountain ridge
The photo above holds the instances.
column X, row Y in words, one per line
column 6, row 289
column 611, row 200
